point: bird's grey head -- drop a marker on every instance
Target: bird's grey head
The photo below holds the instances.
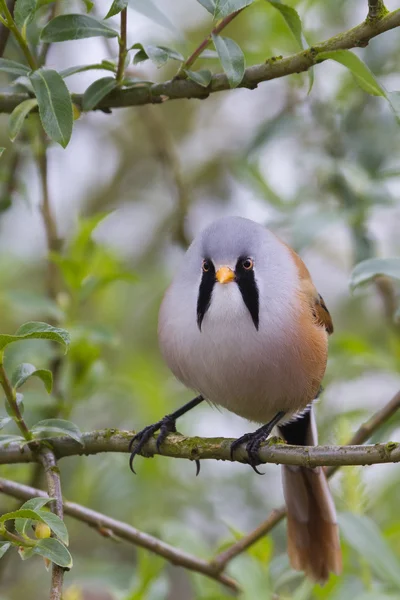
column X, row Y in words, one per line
column 242, row 253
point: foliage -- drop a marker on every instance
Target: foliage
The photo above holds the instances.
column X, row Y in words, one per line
column 320, row 167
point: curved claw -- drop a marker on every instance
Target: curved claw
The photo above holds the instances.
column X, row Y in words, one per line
column 197, row 467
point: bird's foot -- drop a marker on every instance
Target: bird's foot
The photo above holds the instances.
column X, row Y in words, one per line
column 253, row 441
column 165, row 426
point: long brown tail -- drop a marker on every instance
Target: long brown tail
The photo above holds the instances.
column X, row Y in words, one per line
column 313, row 536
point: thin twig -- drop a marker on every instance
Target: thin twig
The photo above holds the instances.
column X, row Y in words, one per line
column 9, row 20
column 49, row 463
column 177, row 88
column 122, row 47
column 217, row 29
column 4, row 31
column 11, row 398
column 106, row 525
column 363, row 433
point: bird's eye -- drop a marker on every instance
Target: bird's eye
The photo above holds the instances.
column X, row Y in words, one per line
column 206, row 266
column 248, row 264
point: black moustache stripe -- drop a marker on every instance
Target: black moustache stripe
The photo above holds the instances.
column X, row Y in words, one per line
column 205, row 293
column 249, row 290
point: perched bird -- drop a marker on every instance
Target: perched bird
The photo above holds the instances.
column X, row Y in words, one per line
column 243, row 325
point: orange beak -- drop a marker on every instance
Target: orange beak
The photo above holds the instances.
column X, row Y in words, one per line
column 225, row 275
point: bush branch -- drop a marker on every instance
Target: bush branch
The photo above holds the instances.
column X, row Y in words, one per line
column 364, row 432
column 106, row 526
column 273, row 68
column 49, row 463
column 122, row 46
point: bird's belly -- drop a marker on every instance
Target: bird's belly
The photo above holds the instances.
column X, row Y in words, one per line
column 253, row 376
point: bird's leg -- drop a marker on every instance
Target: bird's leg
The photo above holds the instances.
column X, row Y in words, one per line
column 253, row 441
column 166, row 425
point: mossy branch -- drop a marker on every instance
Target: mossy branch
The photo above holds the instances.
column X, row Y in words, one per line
column 273, row 68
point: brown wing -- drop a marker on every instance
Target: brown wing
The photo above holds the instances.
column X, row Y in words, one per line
column 317, row 304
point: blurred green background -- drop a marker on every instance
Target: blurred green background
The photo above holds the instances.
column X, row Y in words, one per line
column 130, row 191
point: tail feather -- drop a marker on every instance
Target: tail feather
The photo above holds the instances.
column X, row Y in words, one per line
column 313, row 536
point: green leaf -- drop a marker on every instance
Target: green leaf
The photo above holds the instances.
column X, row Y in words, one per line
column 97, row 91
column 371, row 268
column 362, row 534
column 55, row 551
column 157, row 54
column 209, row 5
column 24, row 12
column 18, row 115
column 223, row 8
column 4, row 421
column 36, row 330
column 12, row 67
column 292, row 20
column 55, row 105
column 26, row 370
column 116, row 8
column 358, row 68
column 82, row 68
column 20, row 404
column 22, row 513
column 202, row 77
column 75, row 27
column 22, row 525
column 56, row 525
column 25, row 553
column 4, row 546
column 88, row 5
column 59, row 426
column 1, row 150
column 7, row 439
column 152, row 12
column 231, row 57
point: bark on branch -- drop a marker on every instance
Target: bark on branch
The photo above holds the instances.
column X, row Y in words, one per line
column 273, row 68
column 196, row 448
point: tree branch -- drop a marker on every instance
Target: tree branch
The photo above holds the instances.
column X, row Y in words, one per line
column 48, row 461
column 273, row 68
column 107, row 525
column 364, row 432
column 122, row 47
column 196, row 448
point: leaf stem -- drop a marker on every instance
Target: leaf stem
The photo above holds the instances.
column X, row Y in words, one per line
column 11, row 397
column 217, row 29
column 14, row 29
column 122, row 47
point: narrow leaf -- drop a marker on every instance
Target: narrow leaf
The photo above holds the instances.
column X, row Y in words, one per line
column 364, row 536
column 358, row 68
column 75, row 27
column 209, row 5
column 36, row 503
column 4, row 546
column 59, row 426
column 116, row 7
column 371, row 268
column 202, row 77
column 2, row 149
column 36, row 330
column 55, row 105
column 56, row 525
column 18, row 116
column 97, row 91
column 223, row 8
column 55, row 551
column 7, row 439
column 15, row 68
column 24, row 12
column 82, row 68
column 152, row 12
column 26, row 370
column 22, row 513
column 292, row 20
column 232, row 59
column 4, row 421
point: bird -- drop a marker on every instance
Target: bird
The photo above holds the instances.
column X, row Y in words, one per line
column 243, row 325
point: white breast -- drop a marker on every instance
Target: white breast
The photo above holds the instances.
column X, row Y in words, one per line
column 252, row 373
